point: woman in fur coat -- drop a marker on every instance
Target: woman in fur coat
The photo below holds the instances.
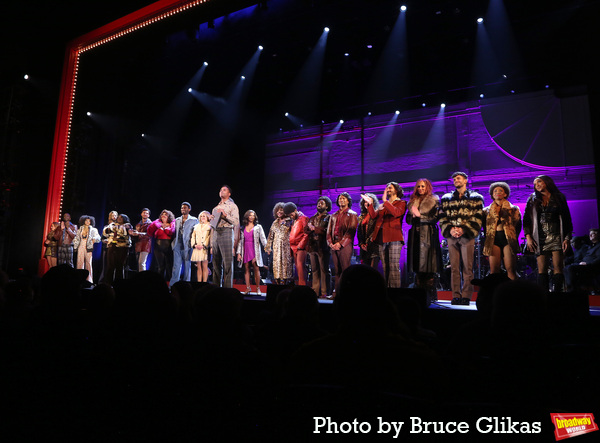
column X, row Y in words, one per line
column 502, row 221
column 424, row 254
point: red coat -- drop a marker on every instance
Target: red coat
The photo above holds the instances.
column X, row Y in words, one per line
column 299, row 238
column 345, row 223
column 388, row 221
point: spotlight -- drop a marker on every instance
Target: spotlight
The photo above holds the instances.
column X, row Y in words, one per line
column 481, row 96
column 423, row 105
column 397, row 112
column 504, row 75
column 547, row 86
column 260, row 48
column 243, row 77
column 26, row 77
column 346, row 54
column 88, row 113
column 480, row 20
column 326, row 29
column 369, row 113
column 342, row 122
column 205, row 64
column 143, row 135
column 287, row 114
column 403, row 8
column 370, row 46
column 443, row 105
column 189, row 89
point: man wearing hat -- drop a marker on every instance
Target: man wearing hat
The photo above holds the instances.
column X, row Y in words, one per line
column 460, row 222
column 317, row 248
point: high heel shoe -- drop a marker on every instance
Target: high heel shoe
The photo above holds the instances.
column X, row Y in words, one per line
column 258, row 291
column 247, row 290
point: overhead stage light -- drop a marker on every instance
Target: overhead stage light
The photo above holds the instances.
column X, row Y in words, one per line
column 287, row 114
column 243, row 77
column 189, row 89
column 205, row 64
column 397, row 112
column 342, row 122
column 481, row 95
column 403, row 8
column 326, row 29
column 260, row 48
column 443, row 105
column 88, row 113
column 26, row 77
column 480, row 20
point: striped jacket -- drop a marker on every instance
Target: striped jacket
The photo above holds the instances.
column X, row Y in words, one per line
column 465, row 212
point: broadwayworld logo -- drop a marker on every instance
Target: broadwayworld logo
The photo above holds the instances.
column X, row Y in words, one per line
column 572, row 425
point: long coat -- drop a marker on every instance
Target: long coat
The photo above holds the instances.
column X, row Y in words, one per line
column 510, row 217
column 424, row 252
column 279, row 243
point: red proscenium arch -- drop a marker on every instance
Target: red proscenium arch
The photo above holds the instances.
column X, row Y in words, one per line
column 116, row 29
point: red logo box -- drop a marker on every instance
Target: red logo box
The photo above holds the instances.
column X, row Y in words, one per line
column 572, row 425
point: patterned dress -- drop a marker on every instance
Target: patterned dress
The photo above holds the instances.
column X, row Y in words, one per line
column 279, row 243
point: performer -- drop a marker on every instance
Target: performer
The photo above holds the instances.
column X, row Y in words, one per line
column 424, row 255
column 369, row 250
column 388, row 230
column 548, row 227
column 278, row 244
column 248, row 250
column 502, row 229
column 200, row 243
column 460, row 221
column 64, row 236
column 182, row 253
column 117, row 249
column 83, row 243
column 112, row 218
column 143, row 245
column 225, row 220
column 51, row 244
column 317, row 248
column 298, row 239
column 340, row 234
column 162, row 231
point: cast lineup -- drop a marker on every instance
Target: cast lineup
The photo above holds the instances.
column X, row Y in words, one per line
column 329, row 237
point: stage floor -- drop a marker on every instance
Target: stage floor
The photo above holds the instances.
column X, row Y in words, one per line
column 443, row 303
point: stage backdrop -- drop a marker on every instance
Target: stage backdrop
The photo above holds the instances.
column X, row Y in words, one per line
column 511, row 139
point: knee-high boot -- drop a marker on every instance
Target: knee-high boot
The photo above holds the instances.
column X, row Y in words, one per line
column 558, row 281
column 544, row 281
